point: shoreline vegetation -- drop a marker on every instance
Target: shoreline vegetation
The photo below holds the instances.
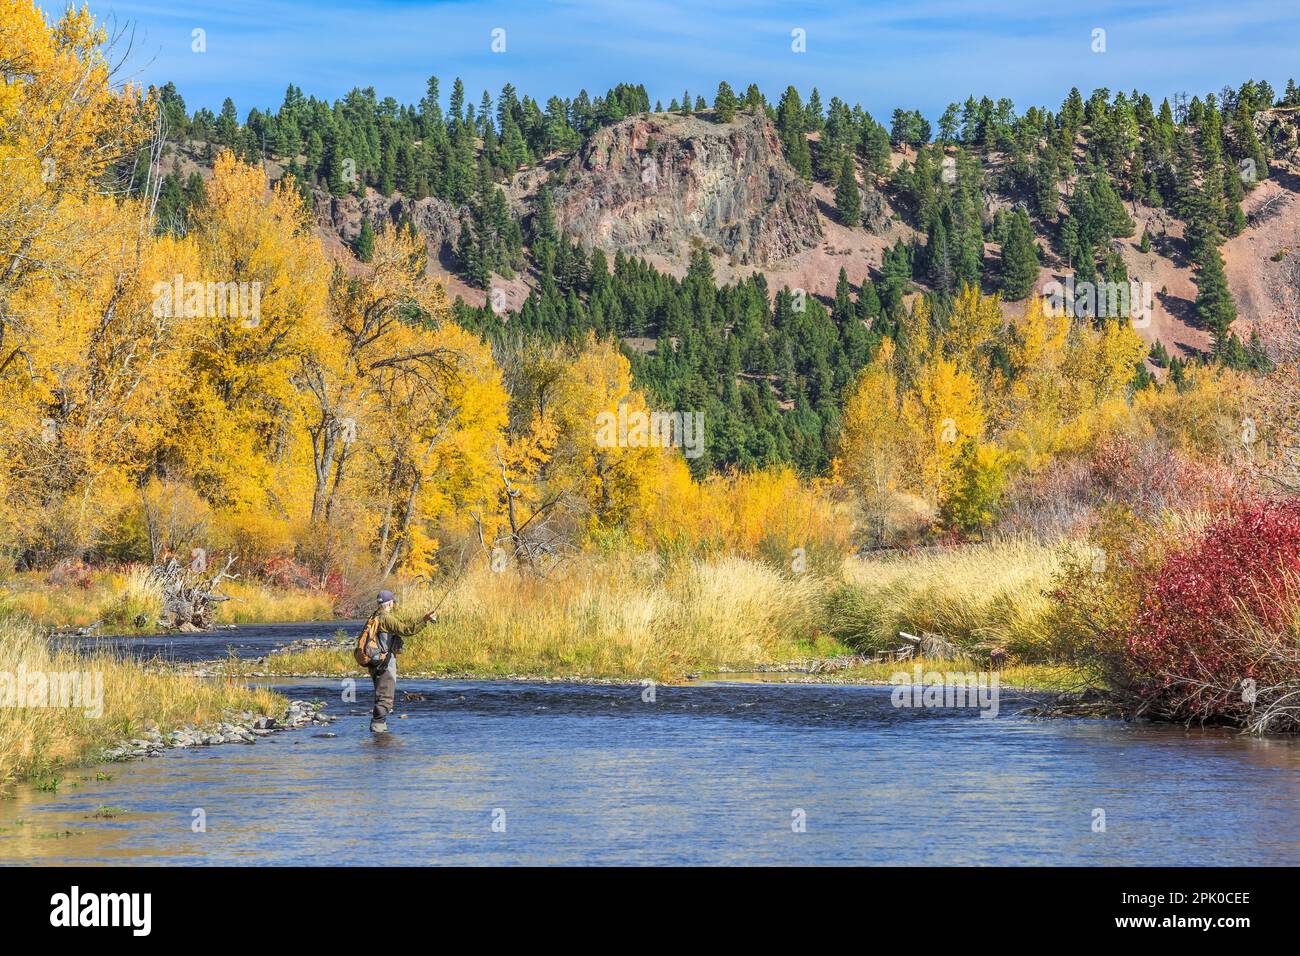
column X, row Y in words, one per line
column 57, row 726
column 645, row 614
column 620, row 617
column 622, row 614
column 122, row 602
column 616, row 616
column 640, row 615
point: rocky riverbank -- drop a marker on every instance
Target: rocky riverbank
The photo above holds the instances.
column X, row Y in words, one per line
column 1091, row 702
column 243, row 728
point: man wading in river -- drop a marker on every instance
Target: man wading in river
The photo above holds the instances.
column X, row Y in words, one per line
column 377, row 648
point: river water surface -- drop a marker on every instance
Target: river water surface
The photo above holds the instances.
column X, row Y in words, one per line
column 710, row 773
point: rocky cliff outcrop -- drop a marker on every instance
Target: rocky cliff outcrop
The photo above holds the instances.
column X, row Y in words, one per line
column 660, row 183
column 436, row 219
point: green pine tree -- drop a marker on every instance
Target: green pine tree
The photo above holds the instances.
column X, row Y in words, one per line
column 848, row 197
column 724, row 104
column 1019, row 258
column 364, row 246
column 1214, row 304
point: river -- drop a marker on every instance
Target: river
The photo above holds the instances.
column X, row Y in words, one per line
column 494, row 772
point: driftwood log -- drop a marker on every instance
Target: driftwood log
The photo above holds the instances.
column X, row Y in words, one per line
column 191, row 594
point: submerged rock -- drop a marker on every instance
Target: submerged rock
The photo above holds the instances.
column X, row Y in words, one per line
column 1090, row 702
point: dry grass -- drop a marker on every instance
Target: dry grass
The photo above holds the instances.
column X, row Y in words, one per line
column 634, row 616
column 136, row 596
column 253, row 603
column 625, row 615
column 119, row 598
column 980, row 595
column 36, row 742
column 1051, row 677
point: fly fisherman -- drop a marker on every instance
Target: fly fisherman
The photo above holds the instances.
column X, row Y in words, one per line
column 390, row 632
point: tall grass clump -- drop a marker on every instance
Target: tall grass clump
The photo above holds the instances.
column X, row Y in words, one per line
column 39, row 741
column 252, row 602
column 137, row 599
column 978, row 596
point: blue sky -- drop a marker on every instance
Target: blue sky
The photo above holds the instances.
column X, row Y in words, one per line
column 918, row 55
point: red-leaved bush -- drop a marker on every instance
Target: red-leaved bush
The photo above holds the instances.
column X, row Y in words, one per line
column 285, row 572
column 1199, row 626
column 288, row 573
column 1144, row 476
column 71, row 572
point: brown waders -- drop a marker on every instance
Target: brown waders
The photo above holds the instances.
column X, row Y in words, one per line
column 393, row 632
column 385, row 680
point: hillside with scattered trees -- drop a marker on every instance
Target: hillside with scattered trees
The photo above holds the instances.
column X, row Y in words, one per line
column 754, row 278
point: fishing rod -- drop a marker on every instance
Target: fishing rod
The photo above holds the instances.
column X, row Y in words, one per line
column 447, row 593
column 464, row 565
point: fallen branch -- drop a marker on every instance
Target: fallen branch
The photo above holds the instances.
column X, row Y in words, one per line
column 190, row 597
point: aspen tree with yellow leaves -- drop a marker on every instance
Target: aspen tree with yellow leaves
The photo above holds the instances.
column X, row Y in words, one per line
column 943, row 412
column 64, row 123
column 873, row 460
column 561, row 457
column 940, row 422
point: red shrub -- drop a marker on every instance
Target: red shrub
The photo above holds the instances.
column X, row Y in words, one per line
column 290, row 574
column 283, row 572
column 71, row 572
column 1190, row 645
column 338, row 587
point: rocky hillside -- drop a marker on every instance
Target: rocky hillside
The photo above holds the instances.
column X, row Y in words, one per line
column 657, row 184
column 660, row 185
column 438, row 220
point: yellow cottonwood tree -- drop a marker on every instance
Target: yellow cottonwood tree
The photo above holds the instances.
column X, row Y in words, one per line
column 75, row 332
column 607, row 475
column 873, row 459
column 1065, row 374
column 252, row 309
column 973, row 327
column 64, row 122
column 372, row 344
column 436, row 442
column 403, row 411
column 944, row 413
column 580, row 444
